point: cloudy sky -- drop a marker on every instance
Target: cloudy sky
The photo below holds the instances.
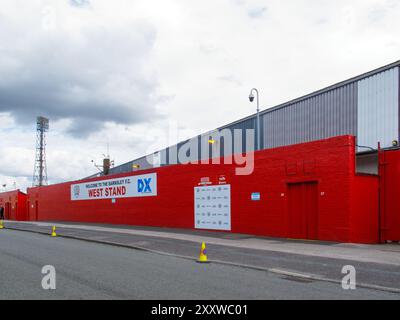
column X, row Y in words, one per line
column 125, row 72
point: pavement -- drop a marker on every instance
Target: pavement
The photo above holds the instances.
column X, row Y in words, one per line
column 377, row 266
column 91, row 270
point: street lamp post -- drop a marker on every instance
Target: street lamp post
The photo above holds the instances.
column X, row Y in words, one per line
column 251, row 98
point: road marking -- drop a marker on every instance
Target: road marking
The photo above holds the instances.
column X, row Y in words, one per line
column 295, row 274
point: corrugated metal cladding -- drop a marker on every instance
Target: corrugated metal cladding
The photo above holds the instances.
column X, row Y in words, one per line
column 366, row 106
column 326, row 115
column 128, row 167
column 378, row 109
column 241, row 143
column 248, row 124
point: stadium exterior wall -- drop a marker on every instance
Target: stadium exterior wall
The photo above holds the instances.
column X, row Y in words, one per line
column 14, row 204
column 346, row 205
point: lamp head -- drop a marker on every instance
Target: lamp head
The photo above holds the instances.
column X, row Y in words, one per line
column 251, row 97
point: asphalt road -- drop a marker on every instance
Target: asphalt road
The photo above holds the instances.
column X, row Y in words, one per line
column 383, row 274
column 95, row 271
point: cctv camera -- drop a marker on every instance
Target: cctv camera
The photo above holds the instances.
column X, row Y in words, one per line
column 251, row 98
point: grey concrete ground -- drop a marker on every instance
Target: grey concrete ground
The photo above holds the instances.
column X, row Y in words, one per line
column 312, row 259
column 355, row 252
column 95, row 271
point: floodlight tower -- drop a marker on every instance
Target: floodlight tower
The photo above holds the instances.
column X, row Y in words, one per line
column 40, row 172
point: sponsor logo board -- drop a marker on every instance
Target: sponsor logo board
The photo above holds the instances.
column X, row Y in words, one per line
column 126, row 187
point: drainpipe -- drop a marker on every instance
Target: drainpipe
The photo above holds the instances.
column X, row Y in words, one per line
column 381, row 201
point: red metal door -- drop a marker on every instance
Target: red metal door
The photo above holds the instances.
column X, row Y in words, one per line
column 303, row 210
column 297, row 223
column 389, row 171
column 36, row 210
column 7, row 214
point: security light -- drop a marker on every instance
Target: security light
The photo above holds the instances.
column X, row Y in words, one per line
column 251, row 97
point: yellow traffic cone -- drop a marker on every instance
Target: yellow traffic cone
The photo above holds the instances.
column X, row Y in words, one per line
column 203, row 254
column 1, row 224
column 54, row 234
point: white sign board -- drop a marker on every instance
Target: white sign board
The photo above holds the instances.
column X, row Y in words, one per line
column 212, row 207
column 256, row 196
column 126, row 187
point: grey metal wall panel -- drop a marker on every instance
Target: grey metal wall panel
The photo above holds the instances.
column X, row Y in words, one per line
column 326, row 115
column 378, row 109
column 236, row 144
column 143, row 163
column 128, row 167
column 189, row 146
column 248, row 124
column 367, row 163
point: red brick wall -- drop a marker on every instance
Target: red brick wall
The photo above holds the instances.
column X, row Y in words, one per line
column 17, row 205
column 329, row 162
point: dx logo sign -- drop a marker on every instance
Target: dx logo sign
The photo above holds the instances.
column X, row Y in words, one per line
column 144, row 185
